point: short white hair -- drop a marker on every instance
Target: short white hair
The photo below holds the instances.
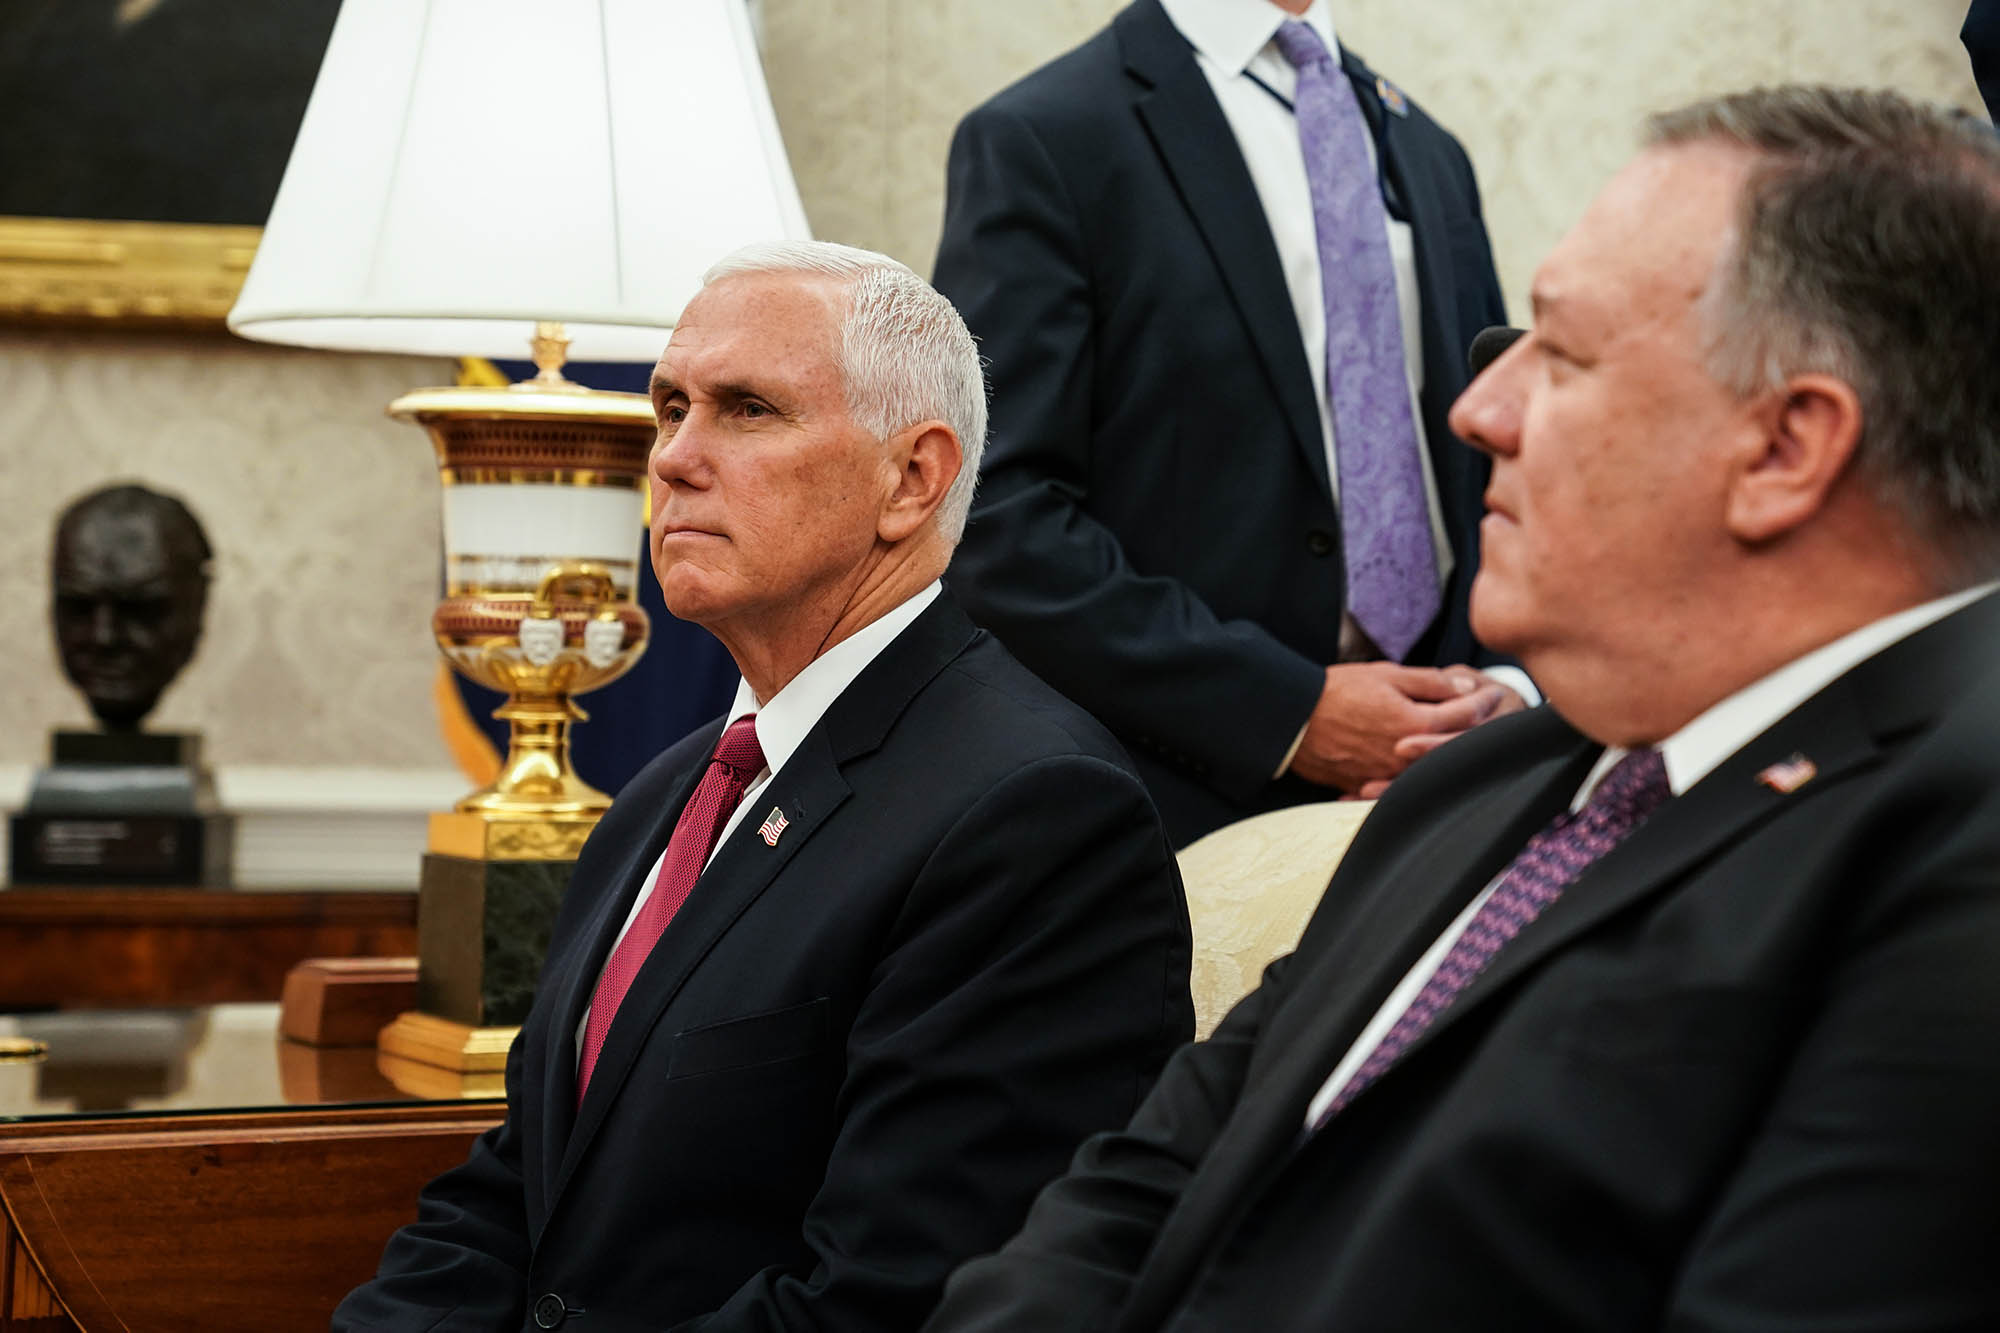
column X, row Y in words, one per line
column 905, row 353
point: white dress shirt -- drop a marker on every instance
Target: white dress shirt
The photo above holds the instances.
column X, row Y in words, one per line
column 1690, row 755
column 782, row 723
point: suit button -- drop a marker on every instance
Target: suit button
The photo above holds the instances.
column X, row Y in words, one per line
column 549, row 1311
column 1319, row 541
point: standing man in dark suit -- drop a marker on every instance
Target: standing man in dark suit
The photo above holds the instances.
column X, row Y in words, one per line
column 789, row 1082
column 1717, row 1048
column 1225, row 277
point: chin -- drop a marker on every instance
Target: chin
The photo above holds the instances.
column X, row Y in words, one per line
column 693, row 597
column 1494, row 613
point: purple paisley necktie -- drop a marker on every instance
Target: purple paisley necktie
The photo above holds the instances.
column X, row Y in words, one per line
column 1392, row 571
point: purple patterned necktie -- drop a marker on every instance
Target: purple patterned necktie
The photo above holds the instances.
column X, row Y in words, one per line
column 1392, row 571
column 1550, row 863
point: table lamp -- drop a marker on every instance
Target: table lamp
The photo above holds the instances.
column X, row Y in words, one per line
column 498, row 178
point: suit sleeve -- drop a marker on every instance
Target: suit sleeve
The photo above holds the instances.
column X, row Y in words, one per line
column 1867, row 1199
column 1222, row 699
column 1072, row 1265
column 1033, row 986
column 463, row 1263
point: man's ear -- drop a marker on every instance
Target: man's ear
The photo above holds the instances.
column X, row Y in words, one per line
column 1808, row 432
column 927, row 459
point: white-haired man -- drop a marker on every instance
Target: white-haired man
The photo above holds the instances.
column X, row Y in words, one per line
column 842, row 979
column 1673, row 1005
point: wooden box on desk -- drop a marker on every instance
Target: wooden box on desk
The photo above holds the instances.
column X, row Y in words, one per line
column 345, row 1001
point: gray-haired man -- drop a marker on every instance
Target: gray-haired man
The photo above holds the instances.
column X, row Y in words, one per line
column 837, row 985
column 1672, row 1005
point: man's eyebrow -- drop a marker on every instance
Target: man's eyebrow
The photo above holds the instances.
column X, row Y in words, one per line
column 736, row 390
column 661, row 386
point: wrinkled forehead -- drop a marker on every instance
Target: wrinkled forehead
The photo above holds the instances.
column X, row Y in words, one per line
column 1649, row 244
column 787, row 324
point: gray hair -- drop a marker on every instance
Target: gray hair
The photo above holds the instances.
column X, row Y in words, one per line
column 1868, row 248
column 905, row 354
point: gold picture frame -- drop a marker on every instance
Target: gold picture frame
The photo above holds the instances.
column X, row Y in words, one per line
column 149, row 137
column 105, row 274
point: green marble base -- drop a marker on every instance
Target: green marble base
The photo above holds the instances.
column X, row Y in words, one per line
column 482, row 931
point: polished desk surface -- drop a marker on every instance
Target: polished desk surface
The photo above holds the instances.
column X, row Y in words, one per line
column 173, row 1169
column 211, row 1058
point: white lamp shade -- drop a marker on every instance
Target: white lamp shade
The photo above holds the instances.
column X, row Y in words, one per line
column 468, row 167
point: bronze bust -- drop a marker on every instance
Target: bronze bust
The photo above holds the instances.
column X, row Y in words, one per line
column 131, row 582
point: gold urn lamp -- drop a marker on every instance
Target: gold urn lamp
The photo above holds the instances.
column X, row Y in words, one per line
column 544, row 488
column 471, row 176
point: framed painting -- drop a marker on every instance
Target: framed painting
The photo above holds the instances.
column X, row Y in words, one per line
column 141, row 145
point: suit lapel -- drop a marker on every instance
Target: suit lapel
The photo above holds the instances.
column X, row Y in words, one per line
column 807, row 790
column 1199, row 151
column 1443, row 872
column 1352, row 963
column 552, row 1065
column 1721, row 809
column 1843, row 729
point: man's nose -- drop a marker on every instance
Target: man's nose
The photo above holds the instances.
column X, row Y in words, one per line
column 1487, row 415
column 678, row 457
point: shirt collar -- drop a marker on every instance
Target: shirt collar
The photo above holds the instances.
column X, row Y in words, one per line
column 1700, row 747
column 784, row 720
column 1231, row 33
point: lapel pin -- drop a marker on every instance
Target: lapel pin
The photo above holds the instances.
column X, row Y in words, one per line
column 1789, row 775
column 1392, row 97
column 774, row 825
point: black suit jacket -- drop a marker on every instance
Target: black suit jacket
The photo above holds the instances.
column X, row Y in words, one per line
column 1154, row 532
column 853, row 1056
column 1743, row 1075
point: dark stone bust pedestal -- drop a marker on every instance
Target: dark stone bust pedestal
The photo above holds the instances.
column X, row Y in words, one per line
column 121, row 808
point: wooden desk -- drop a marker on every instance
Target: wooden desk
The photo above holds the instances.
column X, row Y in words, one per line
column 223, row 1220
column 98, row 948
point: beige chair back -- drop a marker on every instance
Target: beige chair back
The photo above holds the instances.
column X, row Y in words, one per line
column 1251, row 886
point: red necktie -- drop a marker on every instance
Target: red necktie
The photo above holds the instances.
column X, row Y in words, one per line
column 738, row 759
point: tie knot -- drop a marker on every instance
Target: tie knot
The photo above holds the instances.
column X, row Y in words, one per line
column 1634, row 787
column 1300, row 45
column 738, row 749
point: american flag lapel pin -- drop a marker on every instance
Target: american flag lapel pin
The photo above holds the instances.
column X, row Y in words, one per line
column 773, row 826
column 1788, row 775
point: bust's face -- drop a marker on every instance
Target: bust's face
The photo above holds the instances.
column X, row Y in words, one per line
column 127, row 611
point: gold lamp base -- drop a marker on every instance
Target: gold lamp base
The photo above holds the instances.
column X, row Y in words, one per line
column 536, row 779
column 543, row 499
column 489, row 836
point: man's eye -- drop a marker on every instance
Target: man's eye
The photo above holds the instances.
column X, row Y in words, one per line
column 753, row 408
column 672, row 414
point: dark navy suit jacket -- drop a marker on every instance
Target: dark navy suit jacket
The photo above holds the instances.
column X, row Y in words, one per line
column 854, row 1055
column 1743, row 1075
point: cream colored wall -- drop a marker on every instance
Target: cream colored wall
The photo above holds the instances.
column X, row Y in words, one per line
column 1547, row 95
column 322, row 512
column 325, row 514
